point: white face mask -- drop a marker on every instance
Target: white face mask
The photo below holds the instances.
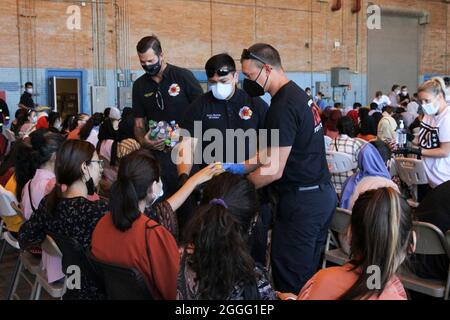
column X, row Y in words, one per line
column 222, row 91
column 158, row 191
column 430, row 108
column 30, row 90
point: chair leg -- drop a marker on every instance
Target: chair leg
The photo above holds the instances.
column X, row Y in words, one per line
column 33, row 291
column 38, row 292
column 15, row 279
column 2, row 250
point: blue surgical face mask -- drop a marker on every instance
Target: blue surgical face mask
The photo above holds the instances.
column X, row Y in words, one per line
column 430, row 108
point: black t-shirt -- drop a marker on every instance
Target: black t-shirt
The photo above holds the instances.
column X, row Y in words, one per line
column 300, row 127
column 240, row 112
column 178, row 88
column 27, row 100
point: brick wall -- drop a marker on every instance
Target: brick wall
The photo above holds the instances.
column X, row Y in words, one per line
column 193, row 30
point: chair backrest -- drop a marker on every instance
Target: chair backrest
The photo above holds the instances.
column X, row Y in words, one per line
column 121, row 283
column 341, row 220
column 73, row 254
column 9, row 135
column 50, row 247
column 6, row 198
column 327, row 141
column 411, row 171
column 339, row 162
column 430, row 240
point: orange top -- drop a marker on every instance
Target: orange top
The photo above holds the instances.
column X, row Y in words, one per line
column 368, row 137
column 129, row 249
column 74, row 134
column 331, row 283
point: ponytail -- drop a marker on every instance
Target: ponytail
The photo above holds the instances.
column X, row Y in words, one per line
column 124, row 204
column 435, row 86
column 85, row 131
column 26, row 164
column 53, row 198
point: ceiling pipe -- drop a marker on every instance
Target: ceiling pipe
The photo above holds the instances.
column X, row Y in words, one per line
column 357, row 6
column 337, row 5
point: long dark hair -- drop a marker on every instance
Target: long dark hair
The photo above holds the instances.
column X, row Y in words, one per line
column 69, row 158
column 30, row 157
column 69, row 123
column 381, row 236
column 137, row 172
column 21, row 117
column 220, row 235
column 93, row 121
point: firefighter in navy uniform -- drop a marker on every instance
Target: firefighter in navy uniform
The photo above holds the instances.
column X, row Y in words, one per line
column 223, row 108
column 163, row 93
column 295, row 167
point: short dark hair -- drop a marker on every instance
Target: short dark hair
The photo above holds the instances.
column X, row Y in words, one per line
column 383, row 149
column 149, row 42
column 337, row 105
column 357, row 105
column 265, row 52
column 395, row 86
column 388, row 109
column 346, row 126
column 307, row 89
column 404, row 87
column 219, row 61
column 28, row 84
column 320, row 94
column 373, row 106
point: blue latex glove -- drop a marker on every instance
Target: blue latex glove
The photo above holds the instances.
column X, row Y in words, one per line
column 235, row 168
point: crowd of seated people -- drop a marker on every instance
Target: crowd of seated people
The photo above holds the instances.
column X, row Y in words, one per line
column 88, row 178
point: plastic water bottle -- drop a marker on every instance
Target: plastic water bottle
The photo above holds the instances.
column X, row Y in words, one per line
column 401, row 135
column 162, row 134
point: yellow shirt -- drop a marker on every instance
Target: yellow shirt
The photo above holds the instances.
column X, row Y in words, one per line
column 12, row 223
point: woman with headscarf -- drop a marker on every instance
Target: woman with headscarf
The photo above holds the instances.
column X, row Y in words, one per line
column 372, row 174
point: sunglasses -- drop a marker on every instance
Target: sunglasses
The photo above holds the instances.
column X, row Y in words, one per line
column 222, row 72
column 247, row 55
column 159, row 99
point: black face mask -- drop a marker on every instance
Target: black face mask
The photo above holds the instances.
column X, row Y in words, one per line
column 153, row 69
column 253, row 88
column 90, row 186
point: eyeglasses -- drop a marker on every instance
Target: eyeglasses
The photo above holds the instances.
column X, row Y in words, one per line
column 247, row 55
column 159, row 99
column 222, row 72
column 100, row 162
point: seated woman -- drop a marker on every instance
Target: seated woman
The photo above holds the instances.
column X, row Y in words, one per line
column 30, row 124
column 382, row 236
column 116, row 140
column 371, row 174
column 20, row 117
column 367, row 126
column 345, row 143
column 67, row 211
column 216, row 263
column 42, row 152
column 89, row 132
column 331, row 129
column 127, row 237
column 82, row 119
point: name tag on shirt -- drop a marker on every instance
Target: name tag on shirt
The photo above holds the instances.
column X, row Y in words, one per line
column 213, row 116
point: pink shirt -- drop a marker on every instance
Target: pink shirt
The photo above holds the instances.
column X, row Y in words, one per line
column 331, row 283
column 41, row 185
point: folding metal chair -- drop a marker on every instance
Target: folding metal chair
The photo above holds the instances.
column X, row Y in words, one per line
column 339, row 224
column 430, row 241
column 339, row 162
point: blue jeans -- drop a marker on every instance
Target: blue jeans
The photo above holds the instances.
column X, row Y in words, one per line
column 299, row 235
